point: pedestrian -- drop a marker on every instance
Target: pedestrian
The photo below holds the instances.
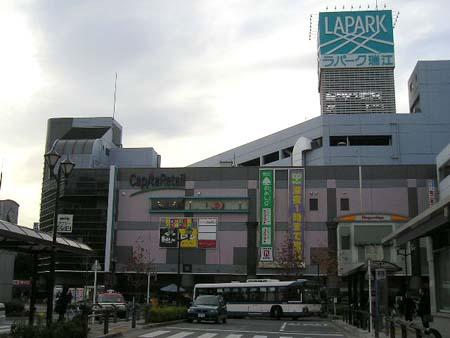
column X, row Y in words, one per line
column 409, row 306
column 424, row 309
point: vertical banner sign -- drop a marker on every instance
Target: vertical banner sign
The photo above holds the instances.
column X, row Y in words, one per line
column 432, row 193
column 207, row 232
column 296, row 189
column 266, row 180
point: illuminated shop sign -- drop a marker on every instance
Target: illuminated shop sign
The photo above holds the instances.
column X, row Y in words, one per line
column 266, row 215
column 296, row 191
column 356, row 39
column 157, row 181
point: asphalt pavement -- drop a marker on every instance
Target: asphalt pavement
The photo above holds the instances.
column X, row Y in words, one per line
column 244, row 328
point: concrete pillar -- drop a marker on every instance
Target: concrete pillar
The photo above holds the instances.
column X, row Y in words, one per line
column 431, row 273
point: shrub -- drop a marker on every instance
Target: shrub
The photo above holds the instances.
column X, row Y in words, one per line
column 166, row 313
column 14, row 308
column 66, row 329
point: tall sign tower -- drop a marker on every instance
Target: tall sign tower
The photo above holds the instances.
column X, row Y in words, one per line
column 356, row 62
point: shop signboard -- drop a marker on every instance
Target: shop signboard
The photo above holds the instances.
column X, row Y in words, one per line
column 169, row 228
column 64, row 223
column 168, row 237
column 352, row 39
column 296, row 192
column 266, row 215
column 207, row 232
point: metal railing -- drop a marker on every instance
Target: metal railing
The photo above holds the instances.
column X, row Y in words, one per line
column 360, row 319
column 408, row 327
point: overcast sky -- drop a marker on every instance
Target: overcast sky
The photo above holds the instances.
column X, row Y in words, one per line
column 195, row 78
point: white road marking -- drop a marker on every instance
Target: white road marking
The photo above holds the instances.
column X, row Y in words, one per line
column 207, row 335
column 180, row 334
column 261, row 332
column 234, row 336
column 285, row 337
column 283, row 326
column 259, row 336
column 153, row 334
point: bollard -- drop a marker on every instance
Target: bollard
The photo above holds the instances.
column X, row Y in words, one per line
column 115, row 314
column 392, row 329
column 404, row 333
column 133, row 317
column 105, row 322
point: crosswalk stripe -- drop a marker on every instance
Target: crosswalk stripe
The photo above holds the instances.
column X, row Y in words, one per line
column 180, row 334
column 234, row 336
column 259, row 336
column 207, row 335
column 153, row 334
column 285, row 337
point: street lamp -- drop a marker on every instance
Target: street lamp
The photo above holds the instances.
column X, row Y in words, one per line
column 65, row 168
column 404, row 252
column 179, row 241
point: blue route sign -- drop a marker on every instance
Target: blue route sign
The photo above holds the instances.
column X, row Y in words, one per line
column 356, row 39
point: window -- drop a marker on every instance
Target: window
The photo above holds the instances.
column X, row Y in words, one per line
column 361, row 140
column 345, row 204
column 168, row 204
column 313, row 204
column 316, row 143
column 345, row 242
column 251, row 163
column 272, row 157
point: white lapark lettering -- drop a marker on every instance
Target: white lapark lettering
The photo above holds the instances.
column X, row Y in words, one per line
column 370, row 20
column 349, row 22
column 359, row 26
column 327, row 29
column 380, row 23
column 339, row 26
column 353, row 25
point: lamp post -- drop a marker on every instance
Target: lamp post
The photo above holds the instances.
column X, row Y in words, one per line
column 65, row 168
column 180, row 239
column 404, row 252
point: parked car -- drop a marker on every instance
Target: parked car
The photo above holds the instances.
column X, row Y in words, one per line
column 208, row 307
column 110, row 301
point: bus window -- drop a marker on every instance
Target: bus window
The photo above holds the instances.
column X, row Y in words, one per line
column 227, row 294
column 271, row 294
column 243, row 297
column 310, row 296
column 294, row 294
column 282, row 294
column 253, row 294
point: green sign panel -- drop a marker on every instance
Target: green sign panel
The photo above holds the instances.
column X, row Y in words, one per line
column 266, row 217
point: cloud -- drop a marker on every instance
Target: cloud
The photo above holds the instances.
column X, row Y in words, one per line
column 194, row 77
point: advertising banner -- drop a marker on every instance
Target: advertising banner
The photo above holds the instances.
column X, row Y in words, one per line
column 207, row 232
column 188, row 239
column 296, row 207
column 356, row 39
column 168, row 238
column 65, row 223
column 266, row 215
column 169, row 228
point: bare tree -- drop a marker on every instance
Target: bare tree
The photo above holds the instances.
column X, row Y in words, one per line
column 289, row 257
column 140, row 264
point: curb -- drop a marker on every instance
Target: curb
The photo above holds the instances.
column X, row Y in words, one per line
column 144, row 327
column 151, row 325
column 110, row 335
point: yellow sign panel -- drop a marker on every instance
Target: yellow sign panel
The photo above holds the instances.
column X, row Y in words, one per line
column 188, row 240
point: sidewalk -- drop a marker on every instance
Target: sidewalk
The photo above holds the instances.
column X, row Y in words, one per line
column 353, row 332
column 122, row 327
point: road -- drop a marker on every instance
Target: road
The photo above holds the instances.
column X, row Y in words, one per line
column 244, row 328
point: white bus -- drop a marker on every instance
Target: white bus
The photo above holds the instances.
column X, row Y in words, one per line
column 266, row 297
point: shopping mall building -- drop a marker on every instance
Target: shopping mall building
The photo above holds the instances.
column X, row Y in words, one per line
column 333, row 186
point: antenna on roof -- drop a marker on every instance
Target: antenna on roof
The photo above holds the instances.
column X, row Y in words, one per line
column 115, row 91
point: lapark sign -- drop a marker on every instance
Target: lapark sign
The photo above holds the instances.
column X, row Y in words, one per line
column 356, row 39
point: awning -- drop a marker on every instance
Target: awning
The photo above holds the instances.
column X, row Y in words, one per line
column 23, row 239
column 362, row 267
column 422, row 224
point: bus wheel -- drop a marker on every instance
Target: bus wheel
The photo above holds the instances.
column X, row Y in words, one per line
column 276, row 312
